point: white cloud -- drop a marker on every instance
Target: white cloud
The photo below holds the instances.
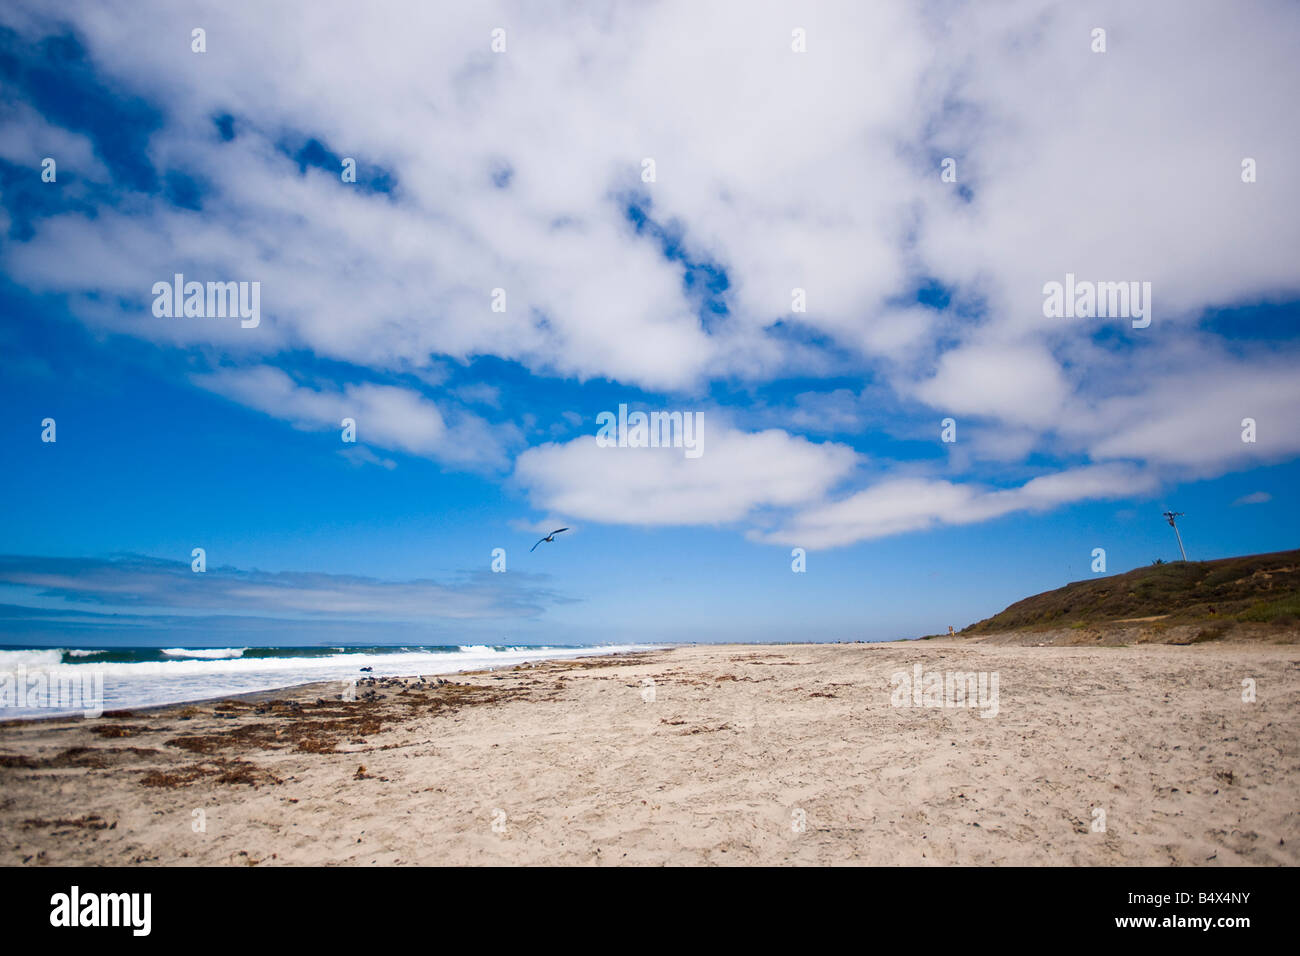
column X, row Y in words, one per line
column 737, row 474
column 791, row 170
column 385, row 416
column 896, row 506
column 1254, row 498
column 1125, row 164
column 542, row 526
column 817, row 171
column 360, row 455
column 26, row 139
column 755, row 160
column 145, row 584
column 1190, row 417
column 1017, row 384
column 480, row 393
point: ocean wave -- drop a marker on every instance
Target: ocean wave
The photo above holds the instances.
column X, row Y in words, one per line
column 169, row 678
column 207, row 654
column 30, row 659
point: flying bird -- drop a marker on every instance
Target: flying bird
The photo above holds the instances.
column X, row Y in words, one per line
column 549, row 537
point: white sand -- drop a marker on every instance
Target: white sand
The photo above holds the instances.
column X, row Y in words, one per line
column 739, row 745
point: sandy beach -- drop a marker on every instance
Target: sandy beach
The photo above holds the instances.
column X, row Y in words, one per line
column 725, row 754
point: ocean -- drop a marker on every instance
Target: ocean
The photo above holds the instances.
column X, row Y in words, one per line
column 47, row 682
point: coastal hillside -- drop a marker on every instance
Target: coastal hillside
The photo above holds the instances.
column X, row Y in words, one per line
column 1251, row 597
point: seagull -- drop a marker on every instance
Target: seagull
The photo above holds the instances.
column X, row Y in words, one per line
column 549, row 537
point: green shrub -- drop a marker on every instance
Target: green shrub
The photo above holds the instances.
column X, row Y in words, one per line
column 1269, row 612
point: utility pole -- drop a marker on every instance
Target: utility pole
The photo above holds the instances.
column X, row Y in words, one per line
column 1173, row 523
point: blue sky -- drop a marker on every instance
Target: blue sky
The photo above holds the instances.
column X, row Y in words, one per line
column 524, row 171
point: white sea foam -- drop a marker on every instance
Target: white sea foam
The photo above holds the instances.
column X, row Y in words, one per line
column 33, row 659
column 207, row 653
column 150, row 683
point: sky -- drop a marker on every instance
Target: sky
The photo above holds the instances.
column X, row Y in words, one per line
column 827, row 232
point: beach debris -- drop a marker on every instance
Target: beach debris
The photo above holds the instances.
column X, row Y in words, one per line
column 91, row 821
column 222, row 769
column 118, row 730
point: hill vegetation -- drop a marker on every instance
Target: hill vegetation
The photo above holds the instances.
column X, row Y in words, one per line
column 1259, row 589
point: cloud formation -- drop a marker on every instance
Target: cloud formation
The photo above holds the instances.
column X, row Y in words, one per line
column 738, row 474
column 914, row 504
column 774, row 171
column 141, row 584
column 388, row 416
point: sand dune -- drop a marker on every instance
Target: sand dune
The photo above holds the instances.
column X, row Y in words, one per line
column 716, row 755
